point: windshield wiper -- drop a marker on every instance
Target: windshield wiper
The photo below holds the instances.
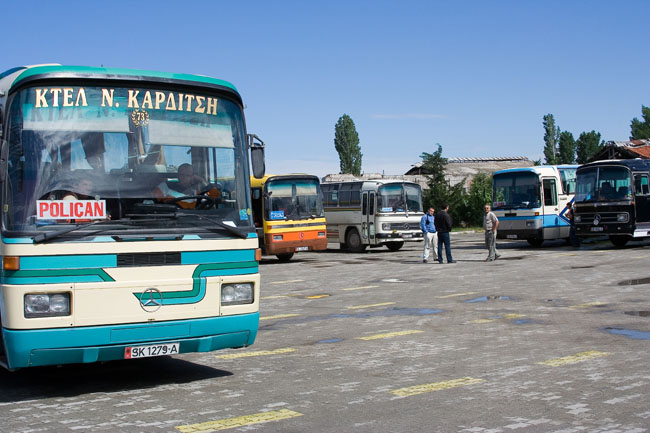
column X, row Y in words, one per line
column 46, row 236
column 174, row 215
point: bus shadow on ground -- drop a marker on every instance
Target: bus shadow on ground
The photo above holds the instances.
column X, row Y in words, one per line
column 115, row 376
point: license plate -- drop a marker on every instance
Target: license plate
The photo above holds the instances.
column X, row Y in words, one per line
column 511, row 236
column 596, row 229
column 302, row 248
column 152, row 350
column 407, row 235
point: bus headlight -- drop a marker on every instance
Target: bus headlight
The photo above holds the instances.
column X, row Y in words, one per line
column 530, row 224
column 622, row 217
column 577, row 218
column 385, row 227
column 47, row 305
column 237, row 294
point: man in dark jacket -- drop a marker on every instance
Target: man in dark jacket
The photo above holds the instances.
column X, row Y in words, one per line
column 443, row 225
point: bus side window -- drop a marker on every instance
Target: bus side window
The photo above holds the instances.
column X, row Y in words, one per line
column 641, row 186
column 550, row 192
column 364, row 204
column 371, row 201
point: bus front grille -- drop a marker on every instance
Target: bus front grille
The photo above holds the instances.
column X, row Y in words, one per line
column 148, row 259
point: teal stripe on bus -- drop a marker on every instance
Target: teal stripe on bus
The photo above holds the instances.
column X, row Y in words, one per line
column 68, row 262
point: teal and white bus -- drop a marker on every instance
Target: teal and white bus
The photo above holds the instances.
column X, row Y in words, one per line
column 95, row 266
column 530, row 202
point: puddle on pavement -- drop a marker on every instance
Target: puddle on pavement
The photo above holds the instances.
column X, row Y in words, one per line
column 638, row 313
column 523, row 321
column 583, row 267
column 489, row 298
column 634, row 282
column 630, row 333
column 328, row 341
column 393, row 280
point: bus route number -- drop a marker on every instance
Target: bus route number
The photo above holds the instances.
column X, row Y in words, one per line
column 152, row 350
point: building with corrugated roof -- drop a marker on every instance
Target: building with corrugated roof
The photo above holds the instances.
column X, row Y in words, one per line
column 624, row 150
column 457, row 170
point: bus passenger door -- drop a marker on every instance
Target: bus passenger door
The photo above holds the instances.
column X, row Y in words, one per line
column 364, row 217
column 642, row 197
column 551, row 209
column 371, row 217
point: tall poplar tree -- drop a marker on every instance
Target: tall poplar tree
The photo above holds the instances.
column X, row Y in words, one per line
column 550, row 139
column 346, row 141
column 566, row 148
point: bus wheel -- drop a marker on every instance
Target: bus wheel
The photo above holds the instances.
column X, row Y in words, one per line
column 619, row 241
column 395, row 246
column 284, row 257
column 536, row 242
column 353, row 241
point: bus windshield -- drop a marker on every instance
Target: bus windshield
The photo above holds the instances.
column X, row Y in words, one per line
column 131, row 158
column 516, row 190
column 603, row 184
column 568, row 176
column 399, row 197
column 293, row 199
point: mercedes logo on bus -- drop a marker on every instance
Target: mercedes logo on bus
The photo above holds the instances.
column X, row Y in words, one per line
column 596, row 219
column 151, row 300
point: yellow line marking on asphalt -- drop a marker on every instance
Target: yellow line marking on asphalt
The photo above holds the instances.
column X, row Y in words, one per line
column 456, row 294
column 257, row 353
column 587, row 305
column 361, row 288
column 389, row 335
column 513, row 316
column 437, row 386
column 640, row 257
column 358, row 307
column 316, row 296
column 567, row 254
column 279, row 316
column 287, row 281
column 572, row 359
column 240, row 421
column 482, row 321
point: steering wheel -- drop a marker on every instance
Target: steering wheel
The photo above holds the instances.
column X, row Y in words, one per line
column 202, row 202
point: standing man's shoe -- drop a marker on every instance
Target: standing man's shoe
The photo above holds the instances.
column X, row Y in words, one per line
column 453, row 261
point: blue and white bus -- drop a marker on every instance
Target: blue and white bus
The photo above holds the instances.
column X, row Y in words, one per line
column 530, row 202
column 95, row 266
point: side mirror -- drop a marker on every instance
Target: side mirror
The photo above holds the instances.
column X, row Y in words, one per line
column 256, row 145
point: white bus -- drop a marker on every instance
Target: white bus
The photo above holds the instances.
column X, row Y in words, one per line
column 530, row 202
column 95, row 266
column 362, row 213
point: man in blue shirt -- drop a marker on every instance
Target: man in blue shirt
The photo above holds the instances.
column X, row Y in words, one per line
column 428, row 227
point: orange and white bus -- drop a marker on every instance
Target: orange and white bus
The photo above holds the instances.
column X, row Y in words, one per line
column 288, row 214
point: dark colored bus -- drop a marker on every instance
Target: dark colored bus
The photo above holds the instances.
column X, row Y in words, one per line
column 613, row 199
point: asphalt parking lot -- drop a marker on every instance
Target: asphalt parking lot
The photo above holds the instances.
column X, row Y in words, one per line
column 554, row 339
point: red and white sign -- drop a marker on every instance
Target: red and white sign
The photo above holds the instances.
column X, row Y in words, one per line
column 71, row 209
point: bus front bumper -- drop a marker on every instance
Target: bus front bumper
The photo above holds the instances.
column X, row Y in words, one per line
column 30, row 348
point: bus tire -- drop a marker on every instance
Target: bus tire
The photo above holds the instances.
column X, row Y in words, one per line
column 395, row 246
column 353, row 241
column 619, row 241
column 284, row 257
column 535, row 242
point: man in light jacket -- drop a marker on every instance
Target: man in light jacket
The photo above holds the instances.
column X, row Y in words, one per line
column 428, row 227
column 490, row 224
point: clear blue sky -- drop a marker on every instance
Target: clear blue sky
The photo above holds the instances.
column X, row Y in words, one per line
column 474, row 76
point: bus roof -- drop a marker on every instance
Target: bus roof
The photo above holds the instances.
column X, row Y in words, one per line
column 634, row 164
column 259, row 182
column 540, row 169
column 16, row 76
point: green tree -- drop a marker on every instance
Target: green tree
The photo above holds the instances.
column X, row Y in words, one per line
column 566, row 148
column 550, row 139
column 587, row 145
column 438, row 192
column 639, row 129
column 346, row 141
